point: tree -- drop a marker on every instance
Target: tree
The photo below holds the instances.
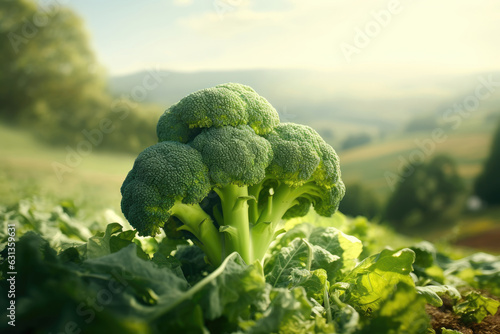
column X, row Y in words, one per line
column 359, row 201
column 51, row 83
column 48, row 72
column 356, row 140
column 487, row 185
column 432, row 195
column 422, row 123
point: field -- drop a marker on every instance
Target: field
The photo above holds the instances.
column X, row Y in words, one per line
column 468, row 145
column 27, row 170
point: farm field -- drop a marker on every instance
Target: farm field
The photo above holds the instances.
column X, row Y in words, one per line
column 26, row 170
column 468, row 145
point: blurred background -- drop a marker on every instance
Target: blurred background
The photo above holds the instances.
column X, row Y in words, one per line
column 407, row 92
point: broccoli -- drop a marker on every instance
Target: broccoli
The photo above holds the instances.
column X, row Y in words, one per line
column 226, row 174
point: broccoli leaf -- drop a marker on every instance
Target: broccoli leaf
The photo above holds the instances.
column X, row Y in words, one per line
column 403, row 311
column 298, row 254
column 432, row 293
column 476, row 307
column 376, row 276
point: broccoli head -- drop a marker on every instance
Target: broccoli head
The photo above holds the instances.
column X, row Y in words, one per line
column 223, row 105
column 226, row 171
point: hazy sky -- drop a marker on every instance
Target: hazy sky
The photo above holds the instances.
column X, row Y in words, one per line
column 398, row 37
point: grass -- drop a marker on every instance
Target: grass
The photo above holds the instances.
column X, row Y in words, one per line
column 26, row 170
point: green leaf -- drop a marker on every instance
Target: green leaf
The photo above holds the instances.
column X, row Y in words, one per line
column 111, row 241
column 425, row 254
column 425, row 265
column 449, row 331
column 323, row 259
column 82, row 297
column 313, row 282
column 376, row 276
column 433, row 293
column 288, row 312
column 347, row 247
column 144, row 280
column 168, row 245
column 476, row 307
column 301, row 231
column 403, row 311
column 230, row 290
column 170, row 262
column 98, row 245
column 480, row 270
column 297, row 255
column 345, row 317
column 332, row 249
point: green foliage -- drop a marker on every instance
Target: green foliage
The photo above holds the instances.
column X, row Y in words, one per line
column 433, row 293
column 425, row 123
column 47, row 72
column 355, row 140
column 51, row 83
column 449, row 331
column 487, row 184
column 476, row 307
column 432, row 194
column 375, row 276
column 403, row 311
column 360, row 201
column 314, row 281
column 226, row 172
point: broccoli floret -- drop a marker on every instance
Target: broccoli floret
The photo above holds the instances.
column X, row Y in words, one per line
column 170, row 179
column 226, row 171
column 223, row 105
column 234, row 155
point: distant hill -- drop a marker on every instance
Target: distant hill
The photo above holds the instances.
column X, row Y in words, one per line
column 341, row 102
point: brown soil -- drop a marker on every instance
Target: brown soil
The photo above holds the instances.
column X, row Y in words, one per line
column 444, row 317
column 487, row 241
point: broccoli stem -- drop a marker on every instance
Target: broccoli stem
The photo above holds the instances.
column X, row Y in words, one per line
column 268, row 223
column 254, row 190
column 202, row 226
column 283, row 199
column 234, row 201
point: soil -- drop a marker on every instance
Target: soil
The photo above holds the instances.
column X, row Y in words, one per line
column 444, row 317
column 487, row 241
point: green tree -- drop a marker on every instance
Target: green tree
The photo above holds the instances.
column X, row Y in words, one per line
column 360, row 201
column 51, row 83
column 487, row 185
column 355, row 141
column 49, row 75
column 422, row 123
column 431, row 196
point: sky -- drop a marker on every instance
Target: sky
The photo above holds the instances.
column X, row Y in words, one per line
column 390, row 37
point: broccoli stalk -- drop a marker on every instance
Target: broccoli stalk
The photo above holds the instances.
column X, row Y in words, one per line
column 236, row 228
column 201, row 225
column 230, row 174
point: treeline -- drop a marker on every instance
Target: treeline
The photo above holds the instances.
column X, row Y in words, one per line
column 52, row 84
column 432, row 194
